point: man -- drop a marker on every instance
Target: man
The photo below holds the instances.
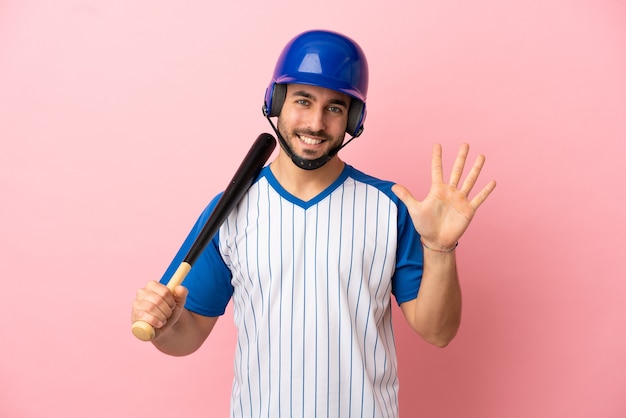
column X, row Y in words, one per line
column 314, row 251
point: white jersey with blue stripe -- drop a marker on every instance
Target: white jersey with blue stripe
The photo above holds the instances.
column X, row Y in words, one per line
column 311, row 284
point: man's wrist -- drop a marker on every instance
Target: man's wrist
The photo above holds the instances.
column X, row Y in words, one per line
column 439, row 249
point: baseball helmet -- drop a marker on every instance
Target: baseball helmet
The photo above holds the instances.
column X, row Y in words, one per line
column 324, row 59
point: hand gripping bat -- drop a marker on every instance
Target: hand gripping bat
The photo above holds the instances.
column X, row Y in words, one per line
column 238, row 186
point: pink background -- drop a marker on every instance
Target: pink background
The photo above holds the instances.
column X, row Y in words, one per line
column 120, row 119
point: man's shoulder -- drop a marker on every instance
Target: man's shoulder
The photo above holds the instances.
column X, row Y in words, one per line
column 376, row 182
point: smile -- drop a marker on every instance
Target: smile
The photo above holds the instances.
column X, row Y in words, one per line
column 310, row 141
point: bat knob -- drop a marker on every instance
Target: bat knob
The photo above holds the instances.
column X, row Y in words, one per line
column 143, row 330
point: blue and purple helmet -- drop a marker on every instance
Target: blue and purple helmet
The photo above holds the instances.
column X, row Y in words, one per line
column 324, row 59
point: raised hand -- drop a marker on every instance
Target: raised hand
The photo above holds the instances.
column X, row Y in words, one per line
column 446, row 212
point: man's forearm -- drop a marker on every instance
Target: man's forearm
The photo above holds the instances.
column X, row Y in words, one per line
column 436, row 312
column 186, row 335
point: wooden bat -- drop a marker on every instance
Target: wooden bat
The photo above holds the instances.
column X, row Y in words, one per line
column 238, row 186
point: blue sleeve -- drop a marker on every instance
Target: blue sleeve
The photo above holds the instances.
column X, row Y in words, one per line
column 409, row 259
column 209, row 280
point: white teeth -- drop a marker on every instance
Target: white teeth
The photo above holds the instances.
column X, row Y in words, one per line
column 310, row 141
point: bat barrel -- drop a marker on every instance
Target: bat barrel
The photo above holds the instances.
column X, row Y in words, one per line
column 245, row 175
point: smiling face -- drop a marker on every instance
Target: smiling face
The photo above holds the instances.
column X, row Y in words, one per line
column 313, row 120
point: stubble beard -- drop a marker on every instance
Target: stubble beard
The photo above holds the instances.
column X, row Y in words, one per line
column 291, row 136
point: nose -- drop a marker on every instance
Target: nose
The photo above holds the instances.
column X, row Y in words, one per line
column 316, row 120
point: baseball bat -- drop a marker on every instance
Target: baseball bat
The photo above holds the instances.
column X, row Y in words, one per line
column 245, row 175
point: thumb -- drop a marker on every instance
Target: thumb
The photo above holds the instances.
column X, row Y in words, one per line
column 180, row 296
column 403, row 194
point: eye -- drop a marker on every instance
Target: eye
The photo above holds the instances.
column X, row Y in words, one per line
column 335, row 109
column 302, row 102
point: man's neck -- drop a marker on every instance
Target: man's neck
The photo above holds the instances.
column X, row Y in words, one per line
column 305, row 184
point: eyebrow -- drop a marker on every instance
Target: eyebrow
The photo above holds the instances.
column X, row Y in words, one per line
column 308, row 95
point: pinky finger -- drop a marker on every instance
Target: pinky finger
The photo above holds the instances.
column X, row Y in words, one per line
column 480, row 198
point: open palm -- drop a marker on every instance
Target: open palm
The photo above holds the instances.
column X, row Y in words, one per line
column 446, row 212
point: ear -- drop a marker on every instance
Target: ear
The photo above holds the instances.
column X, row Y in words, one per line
column 356, row 117
column 274, row 99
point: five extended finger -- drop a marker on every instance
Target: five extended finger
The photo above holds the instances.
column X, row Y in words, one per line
column 473, row 174
column 483, row 195
column 436, row 166
column 459, row 164
column 404, row 195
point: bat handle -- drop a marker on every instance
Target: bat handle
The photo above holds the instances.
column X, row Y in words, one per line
column 143, row 330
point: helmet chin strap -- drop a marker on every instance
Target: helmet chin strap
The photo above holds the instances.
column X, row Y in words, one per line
column 304, row 163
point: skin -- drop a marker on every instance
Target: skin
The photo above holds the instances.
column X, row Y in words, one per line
column 441, row 219
column 311, row 115
column 313, row 122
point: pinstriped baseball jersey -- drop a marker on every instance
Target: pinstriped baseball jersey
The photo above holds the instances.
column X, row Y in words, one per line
column 311, row 284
